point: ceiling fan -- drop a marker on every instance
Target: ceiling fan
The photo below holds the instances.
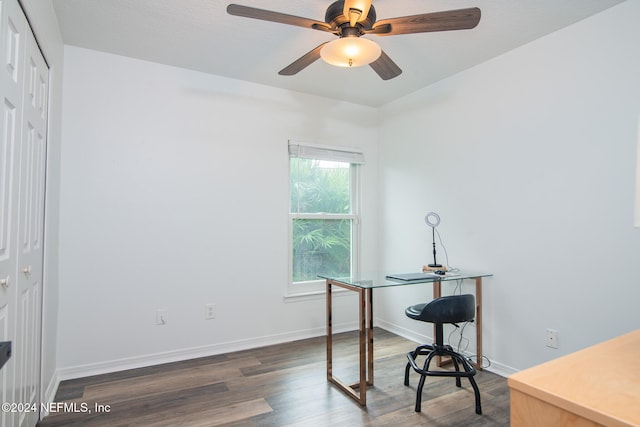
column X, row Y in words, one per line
column 350, row 19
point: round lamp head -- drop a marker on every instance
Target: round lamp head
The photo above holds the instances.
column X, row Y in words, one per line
column 350, row 52
column 432, row 219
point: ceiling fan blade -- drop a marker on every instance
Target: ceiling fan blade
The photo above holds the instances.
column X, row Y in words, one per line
column 303, row 62
column 385, row 67
column 460, row 19
column 282, row 18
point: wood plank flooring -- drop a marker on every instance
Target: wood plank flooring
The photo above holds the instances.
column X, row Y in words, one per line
column 279, row 385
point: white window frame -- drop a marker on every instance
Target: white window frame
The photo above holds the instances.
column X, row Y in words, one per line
column 316, row 288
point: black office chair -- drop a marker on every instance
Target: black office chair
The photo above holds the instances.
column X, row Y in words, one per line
column 449, row 309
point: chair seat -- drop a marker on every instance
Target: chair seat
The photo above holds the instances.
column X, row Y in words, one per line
column 414, row 311
column 447, row 309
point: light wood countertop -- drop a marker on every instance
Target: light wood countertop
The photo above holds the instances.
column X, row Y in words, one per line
column 600, row 383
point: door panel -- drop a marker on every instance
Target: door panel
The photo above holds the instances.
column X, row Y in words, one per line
column 12, row 26
column 30, row 222
column 23, row 104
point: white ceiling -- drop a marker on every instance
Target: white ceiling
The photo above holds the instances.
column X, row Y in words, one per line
column 200, row 35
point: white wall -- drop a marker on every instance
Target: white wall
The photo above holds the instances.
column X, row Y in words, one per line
column 174, row 195
column 45, row 26
column 529, row 160
column 174, row 184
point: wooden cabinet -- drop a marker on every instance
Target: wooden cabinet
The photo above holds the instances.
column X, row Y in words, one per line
column 597, row 386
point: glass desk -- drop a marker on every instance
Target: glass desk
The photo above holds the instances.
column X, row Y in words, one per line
column 364, row 286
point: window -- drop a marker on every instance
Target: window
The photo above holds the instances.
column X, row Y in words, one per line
column 324, row 214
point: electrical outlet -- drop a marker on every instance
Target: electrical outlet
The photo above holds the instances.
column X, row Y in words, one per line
column 552, row 338
column 210, row 311
column 161, row 317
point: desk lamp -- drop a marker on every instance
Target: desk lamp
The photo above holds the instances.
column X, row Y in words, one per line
column 433, row 220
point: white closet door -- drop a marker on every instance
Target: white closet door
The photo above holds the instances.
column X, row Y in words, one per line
column 12, row 27
column 23, row 95
column 30, row 223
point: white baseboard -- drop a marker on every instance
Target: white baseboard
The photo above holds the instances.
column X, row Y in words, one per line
column 49, row 394
column 134, row 362
column 500, row 369
column 403, row 332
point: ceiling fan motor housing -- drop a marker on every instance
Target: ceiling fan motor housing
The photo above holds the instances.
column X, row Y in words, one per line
column 335, row 17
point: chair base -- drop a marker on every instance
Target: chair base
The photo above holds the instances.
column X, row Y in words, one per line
column 431, row 351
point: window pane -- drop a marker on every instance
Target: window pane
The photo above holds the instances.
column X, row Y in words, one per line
column 321, row 246
column 320, row 186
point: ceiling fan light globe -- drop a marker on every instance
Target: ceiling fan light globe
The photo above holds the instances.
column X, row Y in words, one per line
column 350, row 52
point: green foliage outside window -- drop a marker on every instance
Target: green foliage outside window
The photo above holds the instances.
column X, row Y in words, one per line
column 320, row 245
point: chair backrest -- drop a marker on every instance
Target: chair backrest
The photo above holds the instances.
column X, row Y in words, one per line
column 450, row 309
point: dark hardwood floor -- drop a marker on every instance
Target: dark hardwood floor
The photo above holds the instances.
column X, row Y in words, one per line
column 279, row 385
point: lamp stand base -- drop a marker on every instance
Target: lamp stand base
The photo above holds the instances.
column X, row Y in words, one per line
column 433, row 267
